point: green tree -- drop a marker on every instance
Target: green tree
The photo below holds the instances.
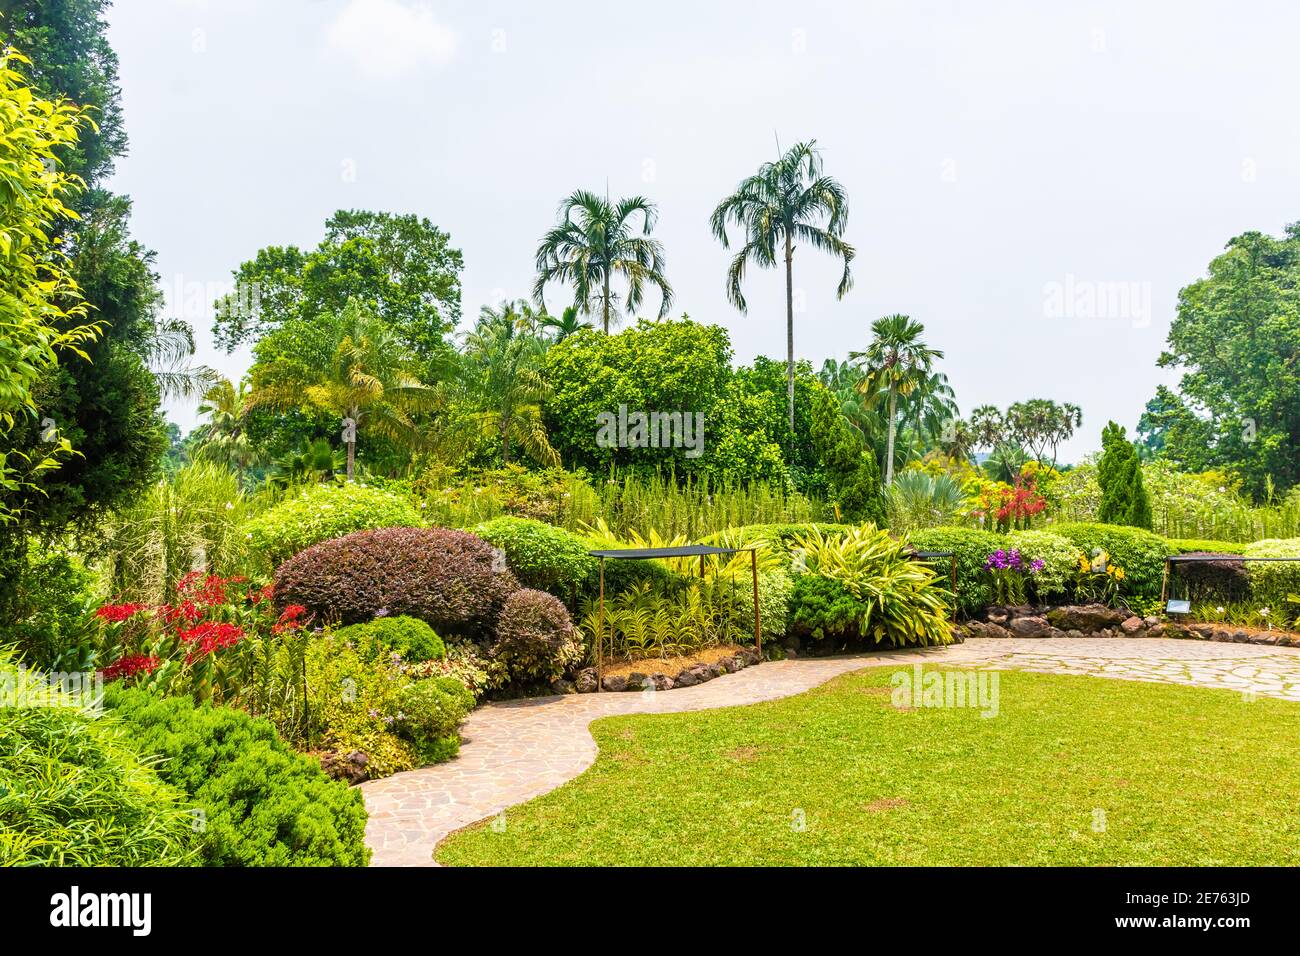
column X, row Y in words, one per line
column 502, row 389
column 1124, row 500
column 1040, row 425
column 223, row 438
column 564, row 326
column 897, row 362
column 1236, row 338
column 784, row 204
column 596, row 240
column 401, row 267
column 368, row 380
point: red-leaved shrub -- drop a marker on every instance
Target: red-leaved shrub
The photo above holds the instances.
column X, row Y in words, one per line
column 452, row 580
column 535, row 638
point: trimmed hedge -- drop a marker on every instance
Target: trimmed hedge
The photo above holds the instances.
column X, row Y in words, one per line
column 322, row 512
column 1060, row 559
column 1195, row 546
column 451, row 580
column 1140, row 553
column 535, row 638
column 1272, row 581
column 410, row 637
column 262, row 803
column 972, row 547
column 541, row 556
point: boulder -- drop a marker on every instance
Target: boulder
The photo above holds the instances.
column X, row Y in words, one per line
column 686, row 678
column 586, row 682
column 1030, row 626
column 562, row 686
column 994, row 630
column 1085, row 617
column 615, row 682
column 1131, row 625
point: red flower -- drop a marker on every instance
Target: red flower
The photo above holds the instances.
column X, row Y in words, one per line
column 131, row 665
column 288, row 619
column 210, row 636
column 115, row 613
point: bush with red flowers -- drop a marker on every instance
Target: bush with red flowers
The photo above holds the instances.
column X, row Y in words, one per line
column 453, row 581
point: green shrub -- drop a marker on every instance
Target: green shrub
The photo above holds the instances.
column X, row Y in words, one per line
column 357, row 711
column 1140, row 553
column 899, row 600
column 541, row 556
column 535, row 638
column 1190, row 545
column 55, row 597
column 1060, row 559
column 410, row 637
column 971, row 547
column 774, row 590
column 321, row 512
column 453, row 581
column 781, row 536
column 1272, row 581
column 74, row 792
column 262, row 803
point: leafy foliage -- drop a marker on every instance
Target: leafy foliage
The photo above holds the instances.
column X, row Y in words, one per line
column 534, row 638
column 1140, row 553
column 971, row 546
column 541, row 556
column 1123, row 498
column 1272, row 581
column 410, row 638
column 262, row 804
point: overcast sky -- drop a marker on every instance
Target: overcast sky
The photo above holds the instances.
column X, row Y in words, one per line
column 1034, row 182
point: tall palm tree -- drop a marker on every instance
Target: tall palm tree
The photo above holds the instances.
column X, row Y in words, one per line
column 369, row 380
column 784, row 203
column 502, row 387
column 896, row 363
column 596, row 240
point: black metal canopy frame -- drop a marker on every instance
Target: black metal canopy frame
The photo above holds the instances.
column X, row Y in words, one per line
column 682, row 551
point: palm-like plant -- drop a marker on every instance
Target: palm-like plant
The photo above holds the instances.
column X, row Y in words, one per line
column 369, row 380
column 596, row 240
column 781, row 205
column 501, row 384
column 223, row 438
column 561, row 328
column 896, row 363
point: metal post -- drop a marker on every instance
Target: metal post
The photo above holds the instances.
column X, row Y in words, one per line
column 758, row 624
column 600, row 632
column 1164, row 580
column 954, row 589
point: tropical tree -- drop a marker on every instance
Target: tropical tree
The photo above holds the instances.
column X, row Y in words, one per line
column 780, row 206
column 561, row 328
column 369, row 381
column 896, row 363
column 596, row 240
column 223, row 437
column 502, row 389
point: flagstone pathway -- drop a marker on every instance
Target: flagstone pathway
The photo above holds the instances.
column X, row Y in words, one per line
column 517, row 750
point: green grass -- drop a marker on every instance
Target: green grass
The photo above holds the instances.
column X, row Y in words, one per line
column 1184, row 776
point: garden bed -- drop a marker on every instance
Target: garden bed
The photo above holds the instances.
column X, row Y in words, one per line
column 666, row 673
column 1099, row 620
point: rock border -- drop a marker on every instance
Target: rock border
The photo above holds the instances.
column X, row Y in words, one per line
column 655, row 681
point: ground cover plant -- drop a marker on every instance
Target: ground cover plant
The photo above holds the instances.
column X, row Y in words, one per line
column 839, row 776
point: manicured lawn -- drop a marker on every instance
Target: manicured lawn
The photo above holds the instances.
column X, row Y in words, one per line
column 1183, row 776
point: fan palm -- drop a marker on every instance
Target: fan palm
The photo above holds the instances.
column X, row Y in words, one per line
column 896, row 363
column 596, row 240
column 783, row 204
column 369, row 381
column 502, row 386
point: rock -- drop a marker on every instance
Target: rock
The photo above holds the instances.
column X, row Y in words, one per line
column 1055, row 632
column 995, row 630
column 1240, row 637
column 658, row 682
column 615, row 682
column 739, row 663
column 586, row 682
column 686, row 678
column 750, row 655
column 723, row 667
column 1158, row 630
column 1150, row 621
column 997, row 617
column 1131, row 625
column 353, row 767
column 636, row 680
column 1030, row 626
column 1205, row 630
column 562, row 686
column 1086, row 617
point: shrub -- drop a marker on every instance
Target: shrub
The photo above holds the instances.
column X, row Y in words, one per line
column 357, row 712
column 410, row 637
column 321, row 512
column 1140, row 553
column 542, row 557
column 1123, row 498
column 1272, row 581
column 899, row 599
column 263, row 804
column 53, row 626
column 73, row 792
column 781, row 536
column 971, row 547
column 774, row 590
column 451, row 580
column 1190, row 545
column 535, row 638
column 1059, row 556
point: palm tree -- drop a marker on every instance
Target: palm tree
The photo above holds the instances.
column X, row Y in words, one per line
column 596, row 240
column 930, row 410
column 896, row 363
column 369, row 381
column 223, row 438
column 501, row 385
column 782, row 204
column 567, row 324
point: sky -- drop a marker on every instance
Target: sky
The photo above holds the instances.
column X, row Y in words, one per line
column 1033, row 182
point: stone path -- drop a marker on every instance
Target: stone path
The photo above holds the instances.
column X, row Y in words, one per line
column 518, row 750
